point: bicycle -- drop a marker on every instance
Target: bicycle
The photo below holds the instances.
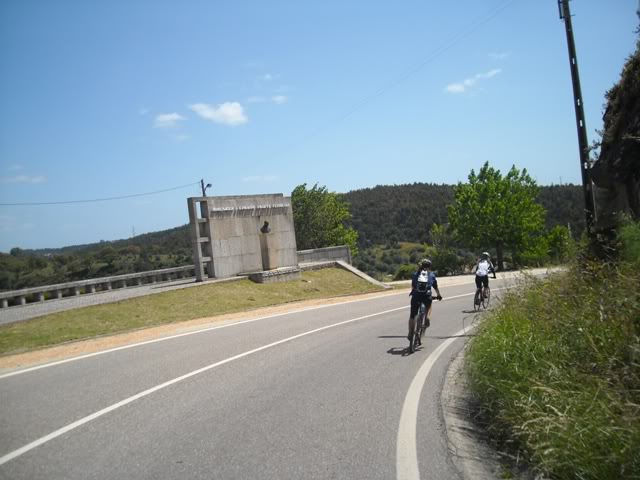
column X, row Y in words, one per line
column 481, row 298
column 420, row 328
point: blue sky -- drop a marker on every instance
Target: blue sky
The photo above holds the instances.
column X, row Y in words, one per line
column 104, row 99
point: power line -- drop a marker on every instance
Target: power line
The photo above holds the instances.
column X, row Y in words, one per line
column 99, row 199
column 455, row 39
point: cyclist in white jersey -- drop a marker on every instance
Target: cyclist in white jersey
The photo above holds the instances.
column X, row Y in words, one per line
column 483, row 268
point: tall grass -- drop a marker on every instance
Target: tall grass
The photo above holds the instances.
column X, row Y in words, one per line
column 556, row 369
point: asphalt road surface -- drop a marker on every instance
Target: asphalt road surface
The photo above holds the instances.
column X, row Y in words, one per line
column 323, row 393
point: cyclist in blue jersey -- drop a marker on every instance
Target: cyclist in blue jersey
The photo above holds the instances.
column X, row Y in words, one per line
column 422, row 284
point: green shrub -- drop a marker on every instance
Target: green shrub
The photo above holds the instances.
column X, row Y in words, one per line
column 404, row 272
column 561, row 246
column 536, row 254
column 447, row 262
column 630, row 238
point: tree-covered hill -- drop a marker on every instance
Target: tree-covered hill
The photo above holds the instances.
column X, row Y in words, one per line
column 405, row 213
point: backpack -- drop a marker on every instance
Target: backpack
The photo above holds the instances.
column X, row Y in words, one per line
column 423, row 284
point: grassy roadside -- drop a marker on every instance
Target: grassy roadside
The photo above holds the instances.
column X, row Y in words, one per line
column 175, row 306
column 556, row 370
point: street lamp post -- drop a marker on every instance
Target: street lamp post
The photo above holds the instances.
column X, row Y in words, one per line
column 204, row 188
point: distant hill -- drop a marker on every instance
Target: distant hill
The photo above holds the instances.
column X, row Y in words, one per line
column 170, row 240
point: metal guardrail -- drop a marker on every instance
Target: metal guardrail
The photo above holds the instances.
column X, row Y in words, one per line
column 93, row 285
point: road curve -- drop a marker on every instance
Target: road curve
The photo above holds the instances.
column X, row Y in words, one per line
column 321, row 393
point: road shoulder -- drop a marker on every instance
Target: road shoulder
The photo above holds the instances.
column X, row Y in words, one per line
column 467, row 442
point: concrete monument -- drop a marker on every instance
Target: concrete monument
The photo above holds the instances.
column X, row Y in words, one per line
column 241, row 234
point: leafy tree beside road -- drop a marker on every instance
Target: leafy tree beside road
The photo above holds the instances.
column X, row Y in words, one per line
column 320, row 217
column 495, row 210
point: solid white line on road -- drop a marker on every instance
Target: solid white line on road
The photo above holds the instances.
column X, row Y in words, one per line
column 406, row 446
column 16, row 453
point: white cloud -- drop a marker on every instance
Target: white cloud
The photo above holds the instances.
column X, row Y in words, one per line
column 256, row 99
column 455, row 88
column 228, row 113
column 279, row 99
column 461, row 87
column 267, row 77
column 15, row 168
column 167, row 120
column 143, row 111
column 260, row 178
column 498, row 56
column 24, row 179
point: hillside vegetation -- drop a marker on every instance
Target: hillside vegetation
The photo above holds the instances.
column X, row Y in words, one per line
column 382, row 216
column 556, row 369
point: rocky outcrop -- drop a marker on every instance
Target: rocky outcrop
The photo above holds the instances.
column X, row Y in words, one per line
column 616, row 173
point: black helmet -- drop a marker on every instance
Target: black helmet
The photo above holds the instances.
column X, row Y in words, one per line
column 425, row 263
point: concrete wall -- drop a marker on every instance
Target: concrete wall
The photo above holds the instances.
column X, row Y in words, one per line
column 226, row 237
column 328, row 254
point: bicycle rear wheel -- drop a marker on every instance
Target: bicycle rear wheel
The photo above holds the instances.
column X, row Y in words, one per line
column 413, row 342
column 486, row 297
column 476, row 300
column 421, row 327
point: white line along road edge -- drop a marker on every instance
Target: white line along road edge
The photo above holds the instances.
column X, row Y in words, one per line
column 406, row 446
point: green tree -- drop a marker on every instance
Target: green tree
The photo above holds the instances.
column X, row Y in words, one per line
column 496, row 210
column 561, row 245
column 320, row 218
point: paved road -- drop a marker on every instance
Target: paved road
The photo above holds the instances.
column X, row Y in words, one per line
column 321, row 394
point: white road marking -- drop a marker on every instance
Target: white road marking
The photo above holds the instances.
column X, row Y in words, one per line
column 61, row 431
column 406, row 446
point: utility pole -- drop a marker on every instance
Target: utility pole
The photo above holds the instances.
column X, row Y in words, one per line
column 585, row 165
column 204, row 189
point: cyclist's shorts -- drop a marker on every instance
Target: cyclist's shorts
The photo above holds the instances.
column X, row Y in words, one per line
column 482, row 281
column 416, row 300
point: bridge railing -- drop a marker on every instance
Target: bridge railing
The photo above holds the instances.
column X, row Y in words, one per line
column 93, row 285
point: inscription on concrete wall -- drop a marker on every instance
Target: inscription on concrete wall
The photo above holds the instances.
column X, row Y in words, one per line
column 250, row 211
